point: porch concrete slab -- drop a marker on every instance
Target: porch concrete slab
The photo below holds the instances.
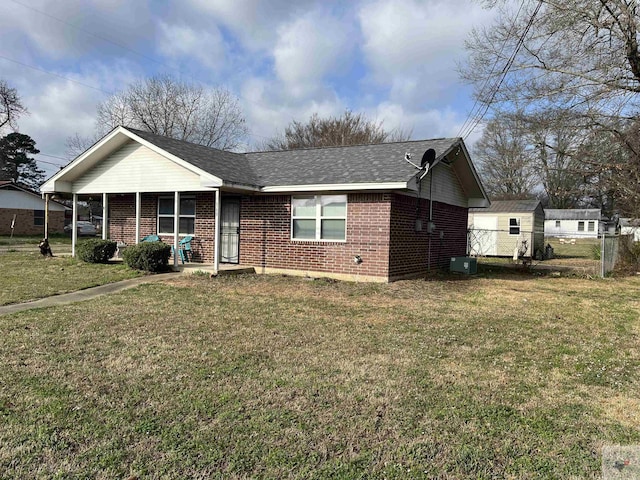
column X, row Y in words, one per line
column 86, row 294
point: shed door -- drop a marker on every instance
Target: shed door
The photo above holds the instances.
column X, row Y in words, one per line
column 483, row 238
column 230, row 230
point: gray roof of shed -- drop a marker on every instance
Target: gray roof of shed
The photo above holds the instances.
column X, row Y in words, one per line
column 379, row 163
column 572, row 214
column 506, row 206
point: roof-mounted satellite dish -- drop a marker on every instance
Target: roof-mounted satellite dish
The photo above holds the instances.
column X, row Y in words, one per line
column 428, row 159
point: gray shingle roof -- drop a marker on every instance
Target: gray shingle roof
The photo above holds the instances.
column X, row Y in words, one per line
column 379, row 163
column 572, row 214
column 506, row 206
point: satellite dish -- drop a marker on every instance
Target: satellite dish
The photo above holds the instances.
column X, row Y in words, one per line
column 428, row 158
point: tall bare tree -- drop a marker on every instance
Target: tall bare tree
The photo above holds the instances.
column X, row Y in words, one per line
column 11, row 107
column 347, row 129
column 579, row 60
column 176, row 109
column 505, row 159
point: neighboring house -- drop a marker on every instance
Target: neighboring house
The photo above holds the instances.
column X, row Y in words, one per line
column 505, row 227
column 24, row 209
column 572, row 222
column 630, row 226
column 345, row 212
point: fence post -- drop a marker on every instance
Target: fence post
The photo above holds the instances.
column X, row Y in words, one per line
column 602, row 255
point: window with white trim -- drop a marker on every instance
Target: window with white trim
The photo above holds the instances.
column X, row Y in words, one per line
column 581, row 226
column 557, row 223
column 166, row 215
column 319, row 217
column 591, row 226
column 514, row 226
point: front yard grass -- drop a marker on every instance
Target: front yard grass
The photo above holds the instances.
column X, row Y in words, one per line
column 28, row 276
column 273, row 377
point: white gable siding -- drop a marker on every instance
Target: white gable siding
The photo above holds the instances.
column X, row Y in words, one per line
column 569, row 228
column 446, row 187
column 136, row 168
column 25, row 201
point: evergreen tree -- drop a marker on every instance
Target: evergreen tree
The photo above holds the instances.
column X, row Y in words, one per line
column 15, row 163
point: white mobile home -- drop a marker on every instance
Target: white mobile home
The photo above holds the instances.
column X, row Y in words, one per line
column 572, row 222
column 505, row 227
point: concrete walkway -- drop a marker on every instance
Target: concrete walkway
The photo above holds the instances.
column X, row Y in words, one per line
column 86, row 294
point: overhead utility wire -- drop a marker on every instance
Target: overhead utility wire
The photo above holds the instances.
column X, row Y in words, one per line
column 505, row 70
column 473, row 112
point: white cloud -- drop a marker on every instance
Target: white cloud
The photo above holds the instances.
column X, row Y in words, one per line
column 411, row 46
column 180, row 41
column 308, row 49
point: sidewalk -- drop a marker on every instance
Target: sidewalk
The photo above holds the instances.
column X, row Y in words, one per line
column 86, row 294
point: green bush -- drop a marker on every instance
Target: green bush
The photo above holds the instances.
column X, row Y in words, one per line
column 96, row 250
column 148, row 256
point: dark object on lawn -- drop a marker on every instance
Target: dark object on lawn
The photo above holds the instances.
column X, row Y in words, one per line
column 44, row 247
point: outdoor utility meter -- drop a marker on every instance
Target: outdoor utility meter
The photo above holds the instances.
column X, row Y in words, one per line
column 431, row 227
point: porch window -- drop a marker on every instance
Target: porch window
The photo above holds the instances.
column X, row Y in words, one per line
column 166, row 215
column 319, row 217
column 514, row 226
column 38, row 218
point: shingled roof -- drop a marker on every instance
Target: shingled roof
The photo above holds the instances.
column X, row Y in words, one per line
column 379, row 163
column 506, row 206
column 572, row 214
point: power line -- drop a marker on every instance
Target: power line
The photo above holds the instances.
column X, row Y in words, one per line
column 472, row 112
column 505, row 70
column 55, row 74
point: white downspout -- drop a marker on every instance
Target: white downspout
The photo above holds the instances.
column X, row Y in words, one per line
column 74, row 225
column 216, row 235
column 105, row 216
column 176, row 228
column 138, row 208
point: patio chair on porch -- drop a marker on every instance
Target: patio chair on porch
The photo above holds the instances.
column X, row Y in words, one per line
column 186, row 254
column 151, row 238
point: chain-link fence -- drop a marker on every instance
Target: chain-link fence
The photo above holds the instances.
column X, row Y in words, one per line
column 583, row 253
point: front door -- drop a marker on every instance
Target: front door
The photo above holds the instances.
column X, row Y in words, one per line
column 230, row 230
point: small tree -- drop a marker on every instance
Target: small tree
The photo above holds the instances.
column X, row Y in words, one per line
column 15, row 163
column 348, row 129
column 10, row 106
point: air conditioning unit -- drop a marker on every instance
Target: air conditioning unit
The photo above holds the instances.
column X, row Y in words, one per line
column 466, row 265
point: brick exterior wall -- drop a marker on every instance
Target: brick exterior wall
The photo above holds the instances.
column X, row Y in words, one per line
column 380, row 229
column 411, row 250
column 265, row 237
column 24, row 222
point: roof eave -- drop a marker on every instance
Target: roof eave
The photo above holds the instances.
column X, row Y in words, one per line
column 335, row 187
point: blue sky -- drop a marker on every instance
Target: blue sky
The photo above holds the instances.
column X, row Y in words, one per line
column 394, row 60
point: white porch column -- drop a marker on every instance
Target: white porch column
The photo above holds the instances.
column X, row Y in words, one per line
column 74, row 224
column 176, row 228
column 46, row 215
column 216, row 235
column 138, row 207
column 105, row 216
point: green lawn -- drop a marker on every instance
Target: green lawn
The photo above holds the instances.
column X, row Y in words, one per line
column 27, row 276
column 583, row 248
column 275, row 377
column 55, row 239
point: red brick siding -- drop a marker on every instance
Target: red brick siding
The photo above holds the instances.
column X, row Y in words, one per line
column 122, row 222
column 410, row 250
column 24, row 222
column 265, row 237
